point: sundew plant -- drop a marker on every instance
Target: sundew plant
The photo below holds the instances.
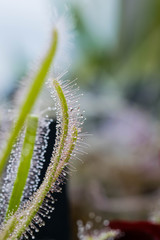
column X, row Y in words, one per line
column 24, row 202
column 23, row 205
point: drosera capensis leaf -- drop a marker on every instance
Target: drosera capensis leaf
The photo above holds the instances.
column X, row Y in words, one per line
column 9, row 228
column 65, row 117
column 38, row 198
column 30, row 99
column 68, row 154
column 24, row 165
column 69, row 120
column 57, row 164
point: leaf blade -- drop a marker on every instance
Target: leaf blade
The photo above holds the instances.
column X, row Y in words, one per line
column 24, row 165
column 30, row 100
column 54, row 170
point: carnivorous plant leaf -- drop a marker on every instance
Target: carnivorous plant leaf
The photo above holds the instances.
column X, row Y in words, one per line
column 40, row 204
column 24, row 165
column 29, row 101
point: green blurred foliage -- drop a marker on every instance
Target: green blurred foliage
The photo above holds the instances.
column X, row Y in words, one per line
column 132, row 61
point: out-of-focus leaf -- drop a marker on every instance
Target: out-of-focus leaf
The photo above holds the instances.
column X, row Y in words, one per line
column 29, row 100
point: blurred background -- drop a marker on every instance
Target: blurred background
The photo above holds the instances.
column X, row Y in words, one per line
column 113, row 48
